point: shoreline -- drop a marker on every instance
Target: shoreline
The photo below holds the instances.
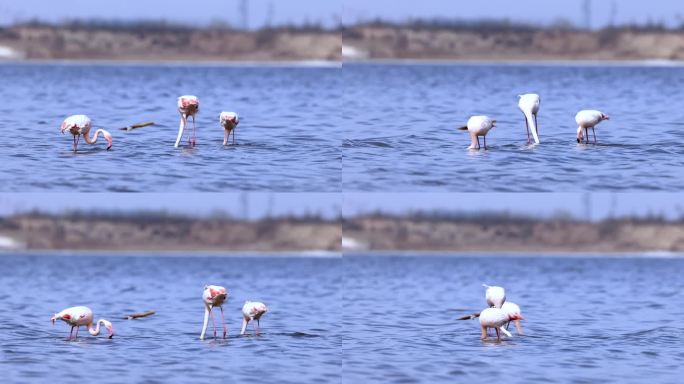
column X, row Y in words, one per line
column 651, row 63
column 182, row 63
column 313, row 254
column 512, row 254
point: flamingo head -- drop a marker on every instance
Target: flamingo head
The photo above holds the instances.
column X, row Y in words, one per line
column 262, row 308
column 515, row 316
column 109, row 327
column 108, row 137
column 493, row 123
column 604, row 116
column 580, row 134
column 64, row 127
column 54, row 318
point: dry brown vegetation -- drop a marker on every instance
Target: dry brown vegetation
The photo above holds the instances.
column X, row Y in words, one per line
column 500, row 41
column 169, row 42
column 512, row 234
column 156, row 232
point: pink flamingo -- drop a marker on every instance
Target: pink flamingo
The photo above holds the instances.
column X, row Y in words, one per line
column 188, row 105
column 213, row 296
column 229, row 121
column 79, row 316
column 252, row 310
column 79, row 125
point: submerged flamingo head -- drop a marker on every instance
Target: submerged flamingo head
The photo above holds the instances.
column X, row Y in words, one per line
column 108, row 137
column 109, row 327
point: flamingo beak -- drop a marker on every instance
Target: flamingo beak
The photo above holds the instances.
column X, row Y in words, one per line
column 53, row 318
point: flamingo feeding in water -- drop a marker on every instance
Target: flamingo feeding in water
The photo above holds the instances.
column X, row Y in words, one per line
column 80, row 316
column 478, row 126
column 588, row 119
column 496, row 318
column 79, row 125
column 229, row 121
column 252, row 310
column 513, row 309
column 213, row 296
column 529, row 105
column 188, row 105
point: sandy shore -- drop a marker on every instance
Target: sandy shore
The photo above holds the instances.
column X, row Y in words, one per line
column 491, row 43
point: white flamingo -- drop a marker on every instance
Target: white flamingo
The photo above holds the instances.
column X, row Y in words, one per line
column 79, row 125
column 81, row 316
column 513, row 309
column 588, row 119
column 495, row 296
column 213, row 296
column 188, row 105
column 478, row 126
column 496, row 318
column 252, row 310
column 529, row 105
column 229, row 121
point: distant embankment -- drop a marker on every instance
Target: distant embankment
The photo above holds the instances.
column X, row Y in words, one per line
column 510, row 235
column 42, row 232
column 499, row 44
column 172, row 43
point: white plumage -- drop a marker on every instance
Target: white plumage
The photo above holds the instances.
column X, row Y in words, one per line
column 80, row 316
column 496, row 296
column 188, row 106
column 229, row 121
column 213, row 296
column 252, row 311
column 588, row 119
column 79, row 125
column 478, row 126
column 511, row 309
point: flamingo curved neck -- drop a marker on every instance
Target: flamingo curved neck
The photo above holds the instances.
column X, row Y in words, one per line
column 93, row 139
column 180, row 129
column 531, row 121
column 95, row 331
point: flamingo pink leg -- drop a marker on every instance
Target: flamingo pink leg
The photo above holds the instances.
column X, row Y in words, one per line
column 254, row 326
column 194, row 138
column 70, row 333
column 76, row 337
column 213, row 323
column 594, row 130
column 498, row 334
column 224, row 324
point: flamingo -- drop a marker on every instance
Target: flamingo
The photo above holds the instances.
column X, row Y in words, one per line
column 513, row 309
column 478, row 126
column 79, row 316
column 188, row 105
column 496, row 318
column 229, row 121
column 588, row 119
column 252, row 310
column 213, row 296
column 79, row 125
column 495, row 296
column 529, row 105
